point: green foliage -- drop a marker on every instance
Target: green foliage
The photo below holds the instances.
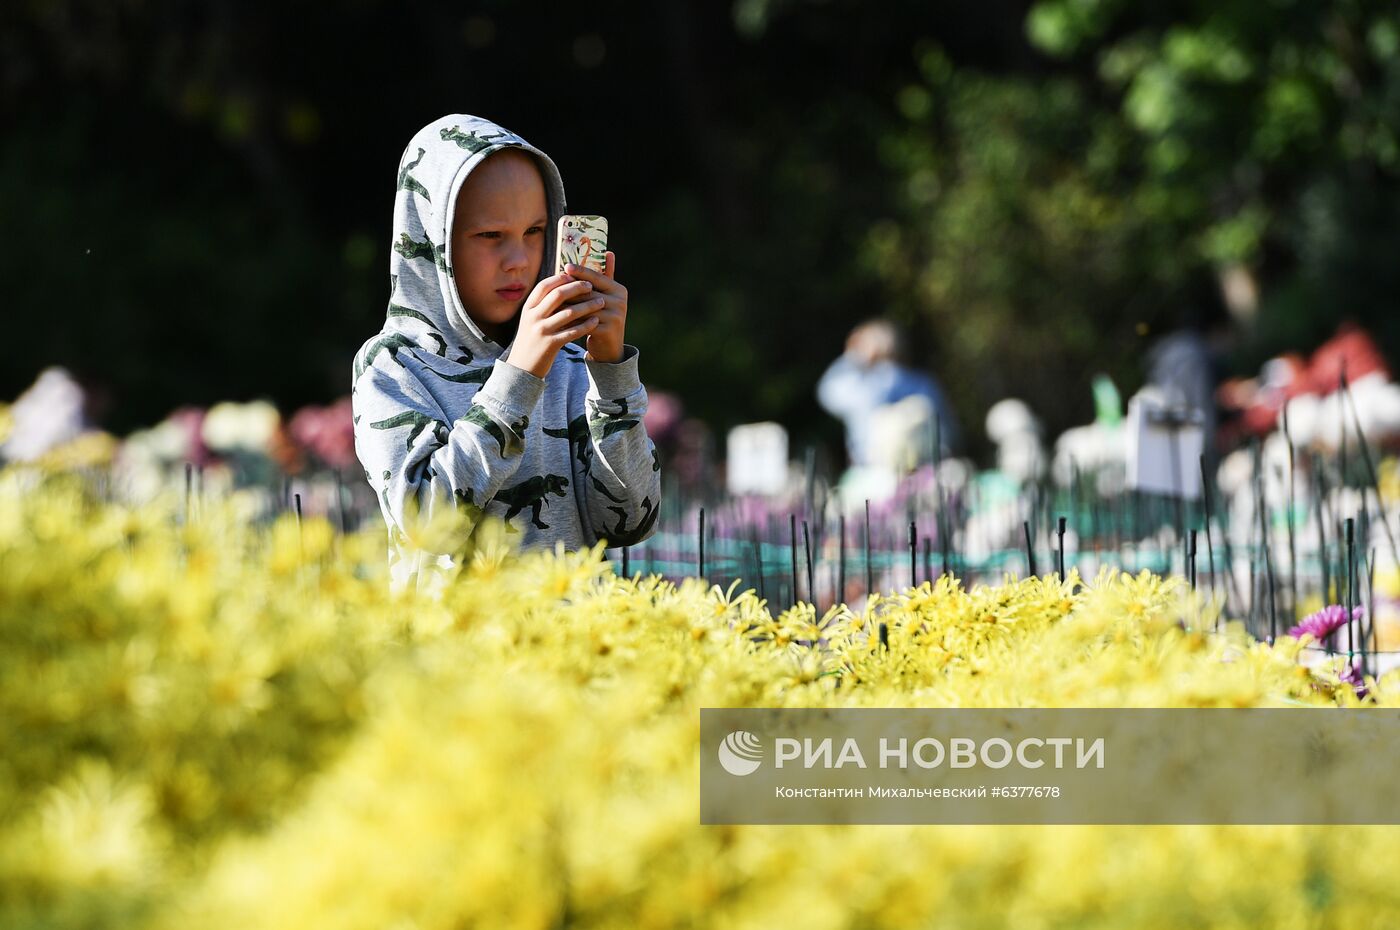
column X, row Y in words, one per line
column 1022, row 240
column 1242, row 108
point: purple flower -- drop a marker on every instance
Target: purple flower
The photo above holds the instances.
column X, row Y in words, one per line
column 1351, row 675
column 1325, row 622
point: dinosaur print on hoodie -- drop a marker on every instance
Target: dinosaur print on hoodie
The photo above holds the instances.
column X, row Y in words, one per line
column 451, row 426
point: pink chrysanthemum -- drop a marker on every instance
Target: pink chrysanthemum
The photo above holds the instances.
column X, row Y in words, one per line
column 1325, row 621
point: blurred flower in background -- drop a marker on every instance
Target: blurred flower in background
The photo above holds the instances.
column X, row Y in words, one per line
column 48, row 414
column 245, row 436
column 328, row 433
column 151, row 459
column 241, row 428
column 664, row 414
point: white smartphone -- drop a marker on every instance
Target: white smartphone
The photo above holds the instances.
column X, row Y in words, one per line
column 582, row 240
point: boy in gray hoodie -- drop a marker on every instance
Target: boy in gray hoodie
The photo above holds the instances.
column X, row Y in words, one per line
column 473, row 398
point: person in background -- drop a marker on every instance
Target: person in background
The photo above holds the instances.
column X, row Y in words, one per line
column 870, row 374
column 1186, row 364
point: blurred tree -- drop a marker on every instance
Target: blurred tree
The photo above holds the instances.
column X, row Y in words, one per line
column 1021, row 239
column 1273, row 131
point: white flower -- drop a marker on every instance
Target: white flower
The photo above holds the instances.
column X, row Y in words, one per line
column 49, row 414
column 241, row 427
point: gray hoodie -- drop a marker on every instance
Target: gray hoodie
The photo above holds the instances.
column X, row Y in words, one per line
column 442, row 421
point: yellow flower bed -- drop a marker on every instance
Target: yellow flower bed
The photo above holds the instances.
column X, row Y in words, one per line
column 227, row 726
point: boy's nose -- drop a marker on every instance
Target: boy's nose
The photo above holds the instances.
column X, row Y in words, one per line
column 516, row 257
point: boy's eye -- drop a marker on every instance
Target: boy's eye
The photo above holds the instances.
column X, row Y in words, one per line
column 534, row 229
column 488, row 235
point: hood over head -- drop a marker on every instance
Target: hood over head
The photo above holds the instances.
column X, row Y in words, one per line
column 424, row 305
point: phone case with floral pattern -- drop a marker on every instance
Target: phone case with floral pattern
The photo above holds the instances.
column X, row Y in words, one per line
column 582, row 240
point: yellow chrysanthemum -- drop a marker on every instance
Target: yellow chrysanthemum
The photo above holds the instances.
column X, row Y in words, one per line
column 218, row 722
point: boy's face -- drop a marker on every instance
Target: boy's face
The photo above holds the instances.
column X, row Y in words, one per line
column 498, row 240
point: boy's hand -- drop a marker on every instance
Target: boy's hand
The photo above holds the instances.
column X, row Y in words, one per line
column 558, row 311
column 605, row 339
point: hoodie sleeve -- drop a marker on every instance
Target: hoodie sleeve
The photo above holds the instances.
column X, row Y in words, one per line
column 421, row 465
column 842, row 390
column 621, row 496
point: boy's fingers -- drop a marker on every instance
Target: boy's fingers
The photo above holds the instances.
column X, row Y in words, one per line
column 614, row 306
column 565, row 294
column 610, row 264
column 573, row 313
column 573, row 332
column 548, row 285
column 600, row 279
column 581, row 272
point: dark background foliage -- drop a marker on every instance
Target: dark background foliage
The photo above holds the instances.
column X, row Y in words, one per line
column 196, row 197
